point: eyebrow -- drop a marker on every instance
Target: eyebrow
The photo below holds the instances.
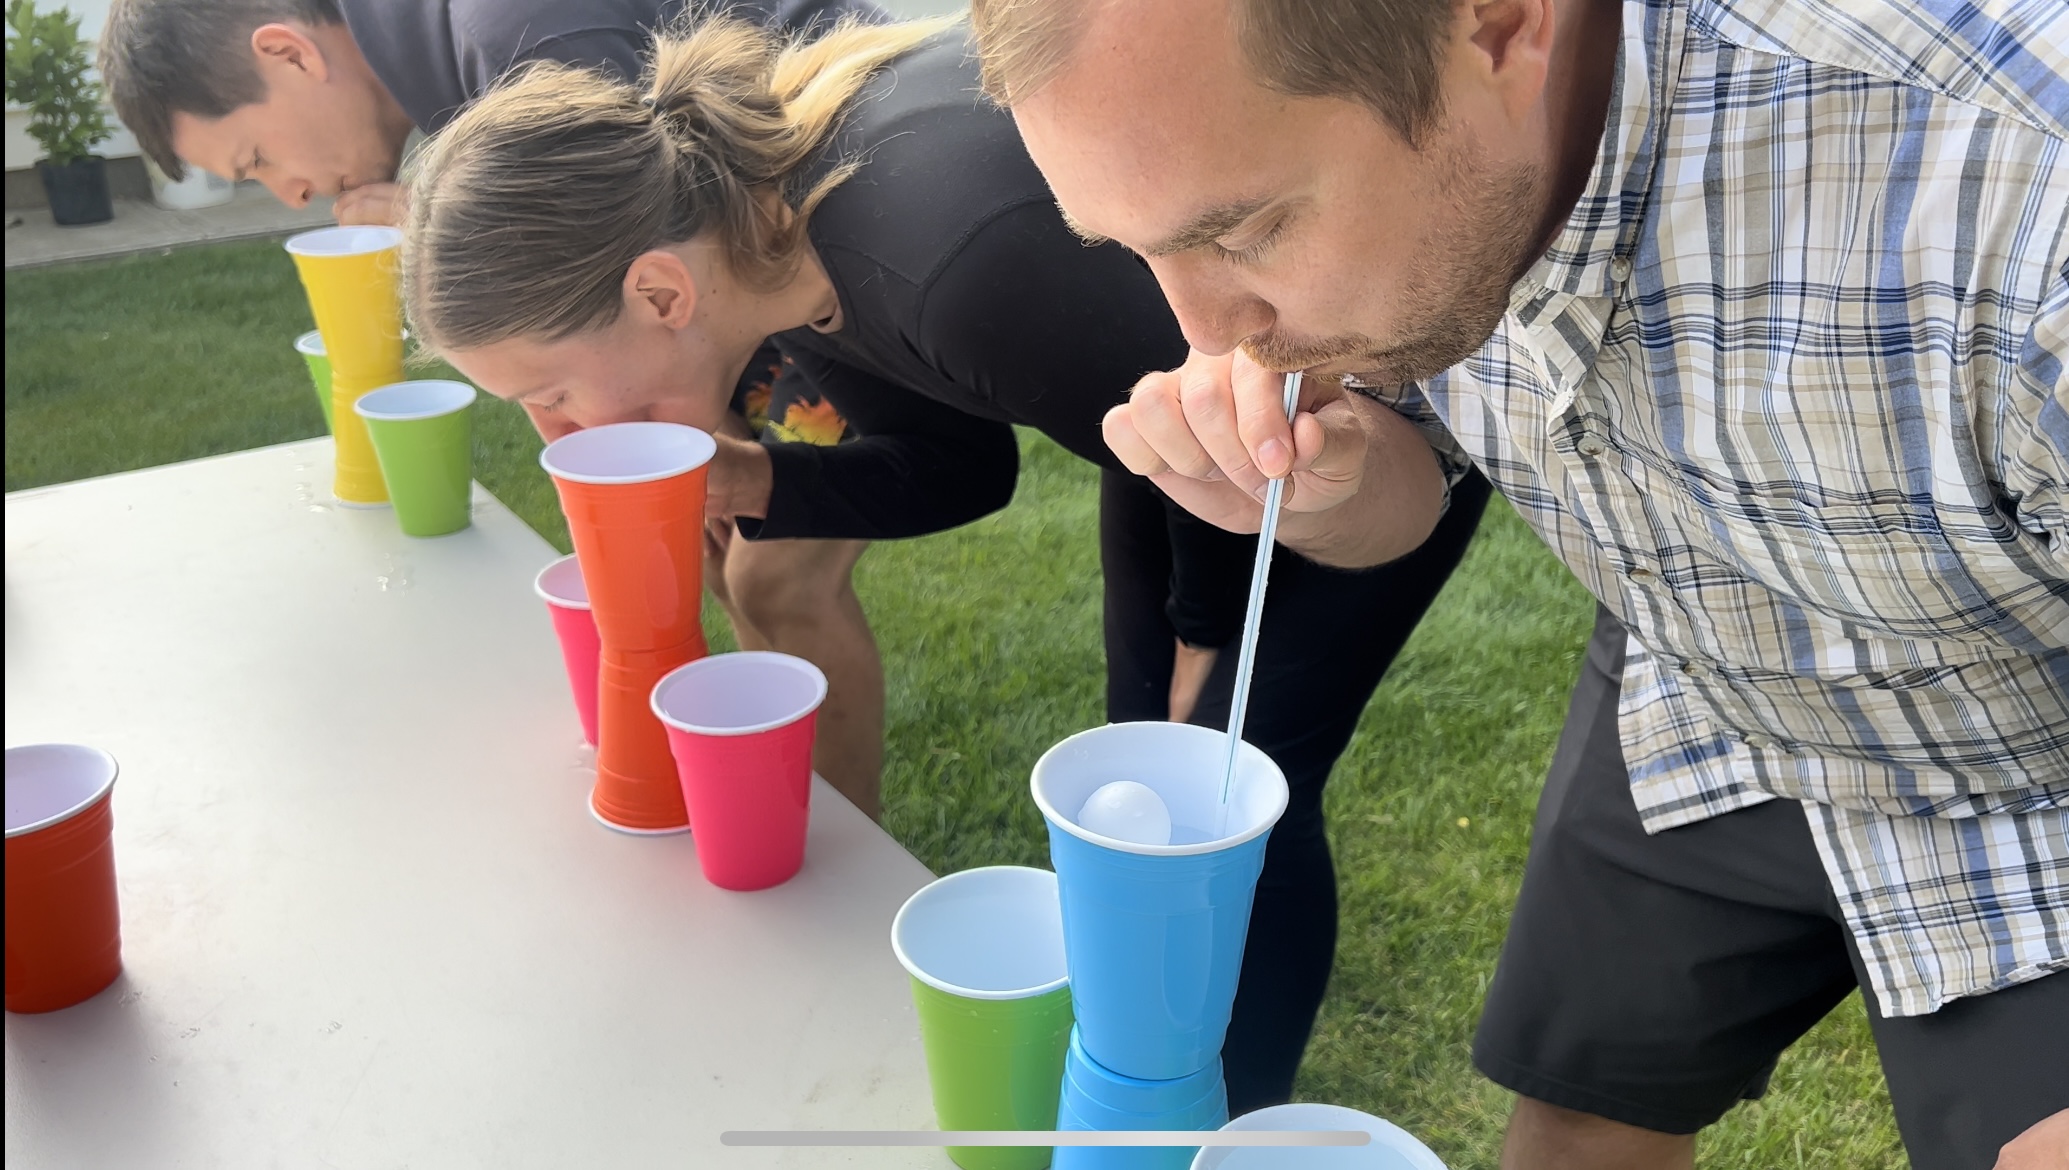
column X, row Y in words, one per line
column 1207, row 227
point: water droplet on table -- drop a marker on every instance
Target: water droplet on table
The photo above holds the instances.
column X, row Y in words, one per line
column 305, row 495
column 393, row 576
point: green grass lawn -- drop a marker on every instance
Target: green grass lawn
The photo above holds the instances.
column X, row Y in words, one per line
column 991, row 640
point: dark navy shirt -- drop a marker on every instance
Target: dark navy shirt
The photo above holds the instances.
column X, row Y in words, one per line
column 435, row 56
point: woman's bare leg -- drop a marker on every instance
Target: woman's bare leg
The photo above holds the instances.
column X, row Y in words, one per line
column 798, row 596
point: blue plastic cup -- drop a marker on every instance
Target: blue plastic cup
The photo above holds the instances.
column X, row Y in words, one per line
column 1153, row 934
column 1099, row 1099
column 1391, row 1147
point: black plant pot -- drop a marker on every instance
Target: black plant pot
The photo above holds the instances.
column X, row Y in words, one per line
column 78, row 191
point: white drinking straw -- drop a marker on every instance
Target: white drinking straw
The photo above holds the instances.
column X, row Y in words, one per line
column 1253, row 616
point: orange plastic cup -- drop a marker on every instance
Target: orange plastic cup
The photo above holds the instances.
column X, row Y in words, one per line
column 64, row 932
column 633, row 494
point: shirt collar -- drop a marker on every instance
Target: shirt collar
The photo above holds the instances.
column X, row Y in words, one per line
column 1604, row 223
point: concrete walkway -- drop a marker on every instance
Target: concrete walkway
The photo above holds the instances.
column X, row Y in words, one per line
column 141, row 226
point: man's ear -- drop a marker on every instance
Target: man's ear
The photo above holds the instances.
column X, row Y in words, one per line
column 284, row 46
column 659, row 288
column 1509, row 43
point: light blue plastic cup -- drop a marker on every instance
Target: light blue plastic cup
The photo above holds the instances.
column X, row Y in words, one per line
column 1099, row 1099
column 1391, row 1148
column 1153, row 934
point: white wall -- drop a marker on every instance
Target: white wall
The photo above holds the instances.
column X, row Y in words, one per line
column 21, row 149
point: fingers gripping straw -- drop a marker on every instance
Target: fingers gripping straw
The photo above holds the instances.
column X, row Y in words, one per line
column 633, row 494
column 351, row 275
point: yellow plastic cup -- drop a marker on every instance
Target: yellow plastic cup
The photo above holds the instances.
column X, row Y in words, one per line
column 353, row 279
column 310, row 346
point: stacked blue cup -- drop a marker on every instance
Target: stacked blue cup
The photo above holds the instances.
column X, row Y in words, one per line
column 1153, row 933
column 1097, row 1098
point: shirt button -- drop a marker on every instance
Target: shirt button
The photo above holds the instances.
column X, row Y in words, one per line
column 1620, row 270
column 1642, row 576
column 1696, row 670
column 1591, row 447
column 1757, row 741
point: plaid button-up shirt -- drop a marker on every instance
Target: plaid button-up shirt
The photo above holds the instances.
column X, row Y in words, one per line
column 1787, row 394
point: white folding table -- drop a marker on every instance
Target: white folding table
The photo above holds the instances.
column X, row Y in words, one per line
column 367, row 920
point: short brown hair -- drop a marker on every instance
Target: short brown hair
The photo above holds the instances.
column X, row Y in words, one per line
column 1387, row 54
column 164, row 57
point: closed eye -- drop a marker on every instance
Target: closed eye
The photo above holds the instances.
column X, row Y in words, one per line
column 1255, row 250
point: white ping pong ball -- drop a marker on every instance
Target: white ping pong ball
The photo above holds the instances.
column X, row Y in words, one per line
column 1127, row 811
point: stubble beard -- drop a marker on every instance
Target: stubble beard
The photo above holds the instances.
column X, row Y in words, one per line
column 1455, row 290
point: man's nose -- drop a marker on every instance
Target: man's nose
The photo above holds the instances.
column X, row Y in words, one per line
column 294, row 192
column 1215, row 315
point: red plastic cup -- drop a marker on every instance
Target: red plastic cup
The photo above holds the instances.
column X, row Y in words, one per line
column 567, row 600
column 740, row 726
column 64, row 933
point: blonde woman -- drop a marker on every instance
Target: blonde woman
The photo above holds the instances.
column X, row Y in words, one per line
column 599, row 252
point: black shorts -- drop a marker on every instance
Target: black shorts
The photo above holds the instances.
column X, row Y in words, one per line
column 1653, row 980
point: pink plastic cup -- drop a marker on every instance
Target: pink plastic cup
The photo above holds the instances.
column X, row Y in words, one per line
column 740, row 726
column 567, row 600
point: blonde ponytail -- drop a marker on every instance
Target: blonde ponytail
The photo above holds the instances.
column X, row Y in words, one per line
column 526, row 211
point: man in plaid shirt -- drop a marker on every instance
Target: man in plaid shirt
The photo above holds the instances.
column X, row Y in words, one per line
column 1757, row 311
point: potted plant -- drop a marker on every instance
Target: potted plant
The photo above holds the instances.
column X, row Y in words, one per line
column 47, row 68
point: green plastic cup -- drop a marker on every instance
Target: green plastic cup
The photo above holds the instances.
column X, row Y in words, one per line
column 985, row 951
column 310, row 346
column 423, row 436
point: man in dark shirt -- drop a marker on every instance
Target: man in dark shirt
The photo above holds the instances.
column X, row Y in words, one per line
column 318, row 97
